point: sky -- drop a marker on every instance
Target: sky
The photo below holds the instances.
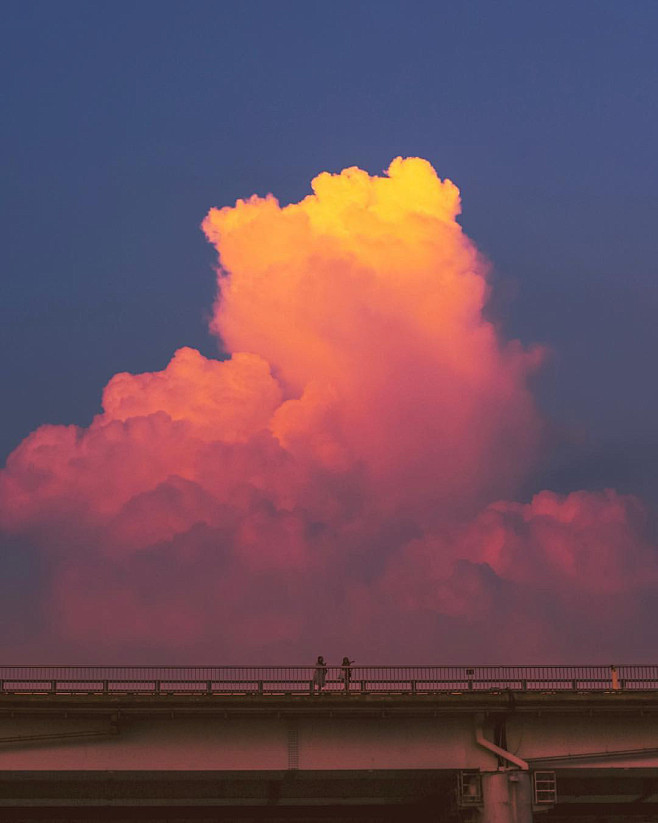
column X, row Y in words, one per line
column 405, row 418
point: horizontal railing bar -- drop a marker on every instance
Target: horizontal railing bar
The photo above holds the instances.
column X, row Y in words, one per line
column 378, row 667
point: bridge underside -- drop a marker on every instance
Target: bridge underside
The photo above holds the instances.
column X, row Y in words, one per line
column 360, row 757
column 377, row 795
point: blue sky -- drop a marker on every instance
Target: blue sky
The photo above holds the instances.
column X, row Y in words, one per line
column 125, row 122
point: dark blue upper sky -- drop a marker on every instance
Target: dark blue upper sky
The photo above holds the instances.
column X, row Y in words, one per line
column 125, row 122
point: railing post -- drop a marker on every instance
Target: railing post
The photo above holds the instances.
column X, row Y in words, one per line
column 2, row 686
column 209, row 687
column 106, row 687
column 413, row 687
column 156, row 686
column 260, row 687
column 311, row 687
column 363, row 687
column 524, row 685
column 53, row 686
column 574, row 685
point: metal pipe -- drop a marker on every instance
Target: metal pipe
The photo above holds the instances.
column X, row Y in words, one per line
column 481, row 740
column 595, row 755
column 32, row 738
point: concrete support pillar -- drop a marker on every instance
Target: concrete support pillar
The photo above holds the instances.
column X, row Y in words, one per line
column 507, row 797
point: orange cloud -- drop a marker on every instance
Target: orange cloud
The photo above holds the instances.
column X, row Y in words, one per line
column 339, row 472
column 366, row 299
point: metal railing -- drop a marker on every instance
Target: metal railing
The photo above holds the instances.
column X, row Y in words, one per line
column 284, row 680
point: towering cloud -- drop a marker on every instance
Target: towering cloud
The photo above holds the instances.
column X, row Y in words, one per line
column 339, row 479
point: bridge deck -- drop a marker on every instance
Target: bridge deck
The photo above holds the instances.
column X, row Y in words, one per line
column 338, row 705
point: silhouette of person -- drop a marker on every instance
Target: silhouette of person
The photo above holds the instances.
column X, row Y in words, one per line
column 346, row 672
column 320, row 675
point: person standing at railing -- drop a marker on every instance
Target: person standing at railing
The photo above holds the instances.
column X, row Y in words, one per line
column 346, row 672
column 320, row 675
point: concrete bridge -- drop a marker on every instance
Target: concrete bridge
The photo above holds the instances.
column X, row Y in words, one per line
column 471, row 744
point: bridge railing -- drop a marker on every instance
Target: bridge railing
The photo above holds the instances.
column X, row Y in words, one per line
column 280, row 680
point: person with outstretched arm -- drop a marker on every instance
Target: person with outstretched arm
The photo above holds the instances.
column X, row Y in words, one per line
column 346, row 672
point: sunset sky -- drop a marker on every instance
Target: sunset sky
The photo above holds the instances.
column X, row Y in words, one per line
column 411, row 416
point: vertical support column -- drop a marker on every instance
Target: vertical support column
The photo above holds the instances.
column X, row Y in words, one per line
column 507, row 796
column 293, row 745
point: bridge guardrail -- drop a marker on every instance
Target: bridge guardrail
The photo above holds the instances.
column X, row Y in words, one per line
column 279, row 680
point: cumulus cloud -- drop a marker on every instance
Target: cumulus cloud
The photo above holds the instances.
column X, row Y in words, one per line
column 345, row 477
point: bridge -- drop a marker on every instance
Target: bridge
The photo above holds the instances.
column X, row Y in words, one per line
column 462, row 744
